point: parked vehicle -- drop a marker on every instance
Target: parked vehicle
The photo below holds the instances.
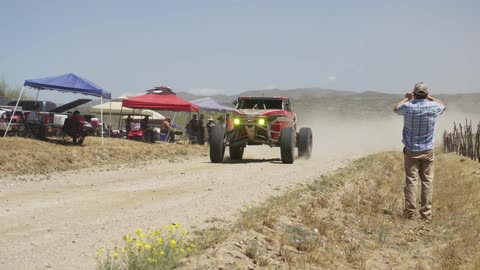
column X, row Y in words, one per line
column 258, row 121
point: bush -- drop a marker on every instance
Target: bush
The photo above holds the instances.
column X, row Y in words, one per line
column 157, row 249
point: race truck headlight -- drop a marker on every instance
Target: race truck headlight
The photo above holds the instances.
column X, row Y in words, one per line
column 261, row 121
column 236, row 121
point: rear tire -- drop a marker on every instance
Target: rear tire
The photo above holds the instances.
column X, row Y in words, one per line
column 287, row 145
column 305, row 141
column 217, row 145
column 236, row 153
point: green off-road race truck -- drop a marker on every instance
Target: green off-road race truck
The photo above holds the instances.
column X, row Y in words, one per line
column 259, row 121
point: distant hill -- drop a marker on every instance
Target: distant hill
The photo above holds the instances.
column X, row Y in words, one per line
column 328, row 101
column 294, row 94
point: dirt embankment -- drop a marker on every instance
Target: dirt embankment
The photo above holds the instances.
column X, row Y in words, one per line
column 353, row 220
column 34, row 159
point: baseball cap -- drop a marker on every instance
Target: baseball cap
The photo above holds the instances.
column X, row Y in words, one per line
column 421, row 89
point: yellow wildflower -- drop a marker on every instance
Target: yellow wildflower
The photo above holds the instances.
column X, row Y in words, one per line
column 141, row 235
column 184, row 232
column 138, row 231
column 162, row 253
column 173, row 242
column 147, row 246
column 115, row 255
column 100, row 251
column 182, row 250
column 160, row 240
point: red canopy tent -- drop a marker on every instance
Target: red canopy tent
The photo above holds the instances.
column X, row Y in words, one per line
column 160, row 98
column 165, row 102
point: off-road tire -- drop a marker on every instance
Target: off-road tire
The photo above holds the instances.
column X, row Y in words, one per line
column 287, row 144
column 217, row 144
column 236, row 153
column 305, row 141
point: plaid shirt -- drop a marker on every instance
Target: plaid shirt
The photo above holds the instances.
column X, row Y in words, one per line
column 419, row 117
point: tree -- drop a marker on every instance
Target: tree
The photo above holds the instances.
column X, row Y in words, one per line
column 10, row 93
column 3, row 88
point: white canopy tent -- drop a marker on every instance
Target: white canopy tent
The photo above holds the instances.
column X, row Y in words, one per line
column 115, row 108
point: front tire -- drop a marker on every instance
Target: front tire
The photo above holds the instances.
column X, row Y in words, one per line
column 217, row 144
column 236, row 153
column 305, row 141
column 287, row 145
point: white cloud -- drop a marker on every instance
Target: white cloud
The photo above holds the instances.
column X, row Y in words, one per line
column 332, row 78
column 206, row 92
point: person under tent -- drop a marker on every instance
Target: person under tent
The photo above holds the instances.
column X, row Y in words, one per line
column 166, row 129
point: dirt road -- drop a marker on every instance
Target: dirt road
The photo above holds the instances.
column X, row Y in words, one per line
column 59, row 222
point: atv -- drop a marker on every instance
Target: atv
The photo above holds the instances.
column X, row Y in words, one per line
column 259, row 121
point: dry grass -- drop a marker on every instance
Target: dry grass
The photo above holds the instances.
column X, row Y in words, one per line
column 353, row 219
column 210, row 237
column 19, row 156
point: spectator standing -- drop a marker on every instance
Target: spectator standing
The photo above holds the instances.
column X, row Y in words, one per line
column 420, row 112
column 221, row 121
column 210, row 124
column 128, row 122
column 193, row 128
column 201, row 131
column 34, row 122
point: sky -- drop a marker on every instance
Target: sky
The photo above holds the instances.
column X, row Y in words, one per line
column 211, row 47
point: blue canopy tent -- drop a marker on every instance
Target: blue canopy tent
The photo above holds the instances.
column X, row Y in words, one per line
column 209, row 104
column 70, row 83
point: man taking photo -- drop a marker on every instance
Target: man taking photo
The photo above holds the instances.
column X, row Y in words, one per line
column 420, row 112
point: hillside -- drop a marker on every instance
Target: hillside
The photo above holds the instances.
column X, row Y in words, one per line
column 368, row 103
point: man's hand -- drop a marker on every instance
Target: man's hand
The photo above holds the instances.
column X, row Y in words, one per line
column 408, row 97
column 437, row 100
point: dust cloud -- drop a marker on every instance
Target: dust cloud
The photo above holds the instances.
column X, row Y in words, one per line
column 351, row 136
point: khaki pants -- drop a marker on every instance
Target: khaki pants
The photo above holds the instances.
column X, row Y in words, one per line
column 421, row 164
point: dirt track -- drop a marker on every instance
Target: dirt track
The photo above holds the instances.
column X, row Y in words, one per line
column 59, row 223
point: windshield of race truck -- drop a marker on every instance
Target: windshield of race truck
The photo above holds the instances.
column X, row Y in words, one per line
column 260, row 104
